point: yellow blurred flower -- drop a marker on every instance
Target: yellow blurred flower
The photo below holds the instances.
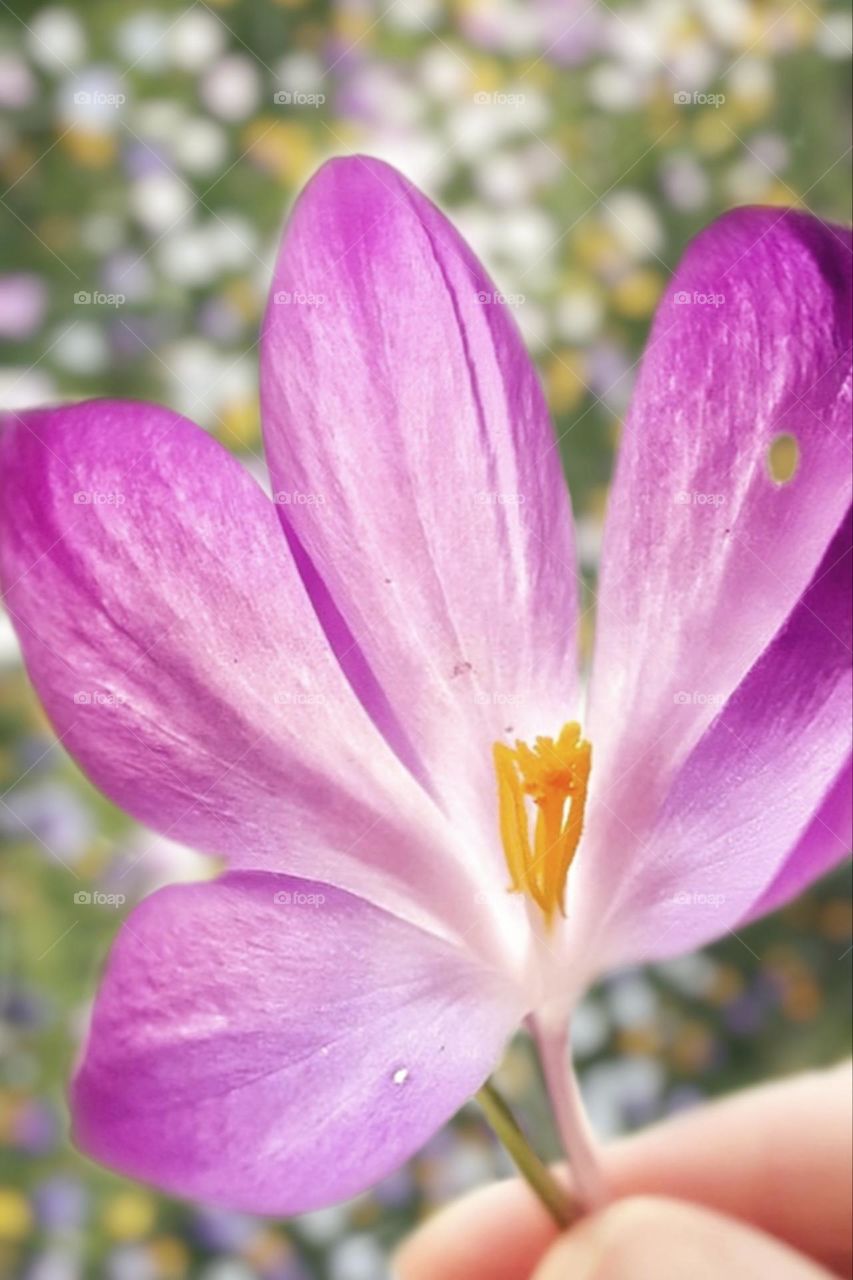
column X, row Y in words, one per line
column 16, row 1217
column 129, row 1215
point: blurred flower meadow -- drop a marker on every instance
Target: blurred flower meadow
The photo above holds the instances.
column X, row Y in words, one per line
column 148, row 152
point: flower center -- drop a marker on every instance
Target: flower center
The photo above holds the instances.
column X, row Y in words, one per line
column 554, row 775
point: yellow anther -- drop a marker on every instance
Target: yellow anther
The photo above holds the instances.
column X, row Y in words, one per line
column 554, row 775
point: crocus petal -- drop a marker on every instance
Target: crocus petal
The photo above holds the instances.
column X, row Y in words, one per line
column 705, row 554
column 748, row 793
column 171, row 640
column 410, row 445
column 825, row 842
column 275, row 1045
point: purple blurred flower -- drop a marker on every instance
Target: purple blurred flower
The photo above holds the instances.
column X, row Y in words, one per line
column 60, row 1202
column 23, row 305
column 333, row 690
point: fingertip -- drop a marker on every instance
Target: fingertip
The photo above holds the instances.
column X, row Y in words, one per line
column 496, row 1233
column 650, row 1238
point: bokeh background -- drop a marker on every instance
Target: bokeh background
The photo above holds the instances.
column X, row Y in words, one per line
column 148, row 152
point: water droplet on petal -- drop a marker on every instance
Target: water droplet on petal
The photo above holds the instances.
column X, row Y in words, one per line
column 401, row 1075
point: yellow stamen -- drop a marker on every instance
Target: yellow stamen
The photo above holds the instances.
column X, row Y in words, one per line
column 555, row 776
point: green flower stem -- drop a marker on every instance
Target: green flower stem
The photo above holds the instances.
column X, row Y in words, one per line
column 555, row 1198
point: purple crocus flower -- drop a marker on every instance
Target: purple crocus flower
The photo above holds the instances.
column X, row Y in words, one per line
column 364, row 695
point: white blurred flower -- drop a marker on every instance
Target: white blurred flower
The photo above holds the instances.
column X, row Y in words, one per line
column 693, row 975
column 227, row 1269
column 140, row 40
column 204, row 379
column 771, row 149
column 232, row 240
column 747, row 180
column 322, row 1226
column 81, row 348
column 55, row 39
column 610, row 1087
column 442, row 72
column 508, row 26
column 414, row 15
column 751, row 78
column 357, row 1257
column 102, row 233
column 183, row 257
column 93, row 100
column 300, row 72
column 589, row 531
column 381, row 93
column 579, row 314
column 25, row 388
column 196, row 39
column 159, row 201
column 200, row 146
column 731, row 21
column 614, row 87
column 834, row 34
column 473, row 128
column 159, row 119
column 231, row 88
column 525, row 235
column 477, row 224
column 532, row 320
column 193, row 366
column 685, row 182
column 631, row 1000
column 542, row 163
column 639, row 37
column 632, row 219
column 590, row 1028
column 503, row 179
column 420, row 155
column 694, row 64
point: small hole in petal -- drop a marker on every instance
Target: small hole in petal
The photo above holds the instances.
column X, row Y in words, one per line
column 783, row 458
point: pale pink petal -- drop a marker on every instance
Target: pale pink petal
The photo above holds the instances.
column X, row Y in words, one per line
column 274, row 1045
column 410, row 446
column 170, row 638
column 825, row 842
column 705, row 554
column 748, row 794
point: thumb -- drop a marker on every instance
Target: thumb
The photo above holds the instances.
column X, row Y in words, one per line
column 650, row 1239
